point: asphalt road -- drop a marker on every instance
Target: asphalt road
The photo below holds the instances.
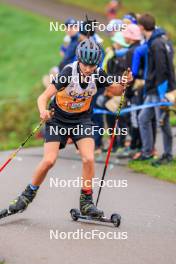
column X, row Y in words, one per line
column 56, row 10
column 147, row 207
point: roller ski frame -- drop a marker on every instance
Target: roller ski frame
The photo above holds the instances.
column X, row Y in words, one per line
column 115, row 219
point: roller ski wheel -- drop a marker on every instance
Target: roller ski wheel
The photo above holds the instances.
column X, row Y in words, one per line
column 115, row 219
column 75, row 213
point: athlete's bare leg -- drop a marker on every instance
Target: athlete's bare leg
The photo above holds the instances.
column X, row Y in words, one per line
column 51, row 150
column 86, row 148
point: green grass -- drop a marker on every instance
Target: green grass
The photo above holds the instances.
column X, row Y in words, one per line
column 163, row 10
column 173, row 119
column 164, row 172
column 27, row 51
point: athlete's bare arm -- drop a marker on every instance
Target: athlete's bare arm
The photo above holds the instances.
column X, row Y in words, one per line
column 43, row 100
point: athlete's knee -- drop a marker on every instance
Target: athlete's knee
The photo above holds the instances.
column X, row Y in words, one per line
column 49, row 162
column 88, row 160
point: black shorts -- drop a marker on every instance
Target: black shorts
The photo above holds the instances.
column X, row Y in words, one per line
column 60, row 132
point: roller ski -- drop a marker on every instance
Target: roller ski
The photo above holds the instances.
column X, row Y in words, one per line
column 20, row 204
column 88, row 211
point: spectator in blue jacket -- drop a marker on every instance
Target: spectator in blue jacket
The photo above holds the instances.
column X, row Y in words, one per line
column 158, row 80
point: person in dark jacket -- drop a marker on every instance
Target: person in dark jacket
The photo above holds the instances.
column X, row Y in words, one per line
column 159, row 80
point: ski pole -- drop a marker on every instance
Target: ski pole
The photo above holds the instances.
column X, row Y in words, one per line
column 122, row 99
column 13, row 155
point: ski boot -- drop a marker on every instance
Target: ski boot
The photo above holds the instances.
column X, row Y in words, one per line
column 22, row 201
column 87, row 206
